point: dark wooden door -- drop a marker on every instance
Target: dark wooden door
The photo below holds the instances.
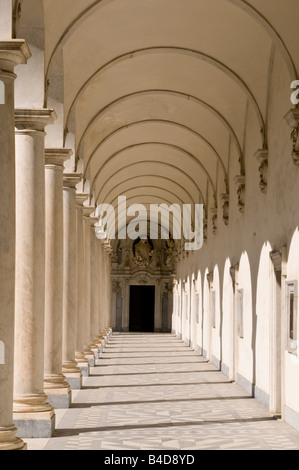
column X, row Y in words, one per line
column 142, row 308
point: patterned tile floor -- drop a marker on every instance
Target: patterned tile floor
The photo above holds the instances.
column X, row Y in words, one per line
column 152, row 392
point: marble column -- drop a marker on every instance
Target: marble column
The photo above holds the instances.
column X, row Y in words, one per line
column 101, row 294
column 88, row 353
column 94, row 316
column 81, row 360
column 108, row 253
column 32, row 414
column 55, row 385
column 69, row 329
column 95, row 288
column 12, row 53
column 109, row 329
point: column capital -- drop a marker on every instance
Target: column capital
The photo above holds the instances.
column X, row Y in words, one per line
column 70, row 180
column 57, row 156
column 34, row 119
column 13, row 52
column 81, row 198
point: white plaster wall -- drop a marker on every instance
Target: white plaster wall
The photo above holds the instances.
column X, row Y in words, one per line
column 186, row 311
column 199, row 329
column 269, row 222
column 292, row 361
column 228, row 319
column 263, row 313
column 216, row 332
column 193, row 310
column 245, row 345
column 206, row 315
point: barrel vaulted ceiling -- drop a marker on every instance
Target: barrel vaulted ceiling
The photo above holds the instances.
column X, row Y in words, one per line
column 156, row 92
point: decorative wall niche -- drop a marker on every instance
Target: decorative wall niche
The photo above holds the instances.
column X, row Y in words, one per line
column 240, row 312
column 292, row 316
column 213, row 308
column 197, row 308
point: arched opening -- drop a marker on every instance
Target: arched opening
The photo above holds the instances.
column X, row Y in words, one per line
column 244, row 328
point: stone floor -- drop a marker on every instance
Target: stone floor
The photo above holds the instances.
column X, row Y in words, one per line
column 152, row 392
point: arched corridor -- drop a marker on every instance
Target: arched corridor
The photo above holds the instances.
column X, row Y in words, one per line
column 149, row 199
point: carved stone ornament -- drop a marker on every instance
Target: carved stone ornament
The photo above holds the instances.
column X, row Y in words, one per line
column 143, row 253
column 169, row 252
column 205, row 229
column 116, row 288
column 142, row 280
column 262, row 158
column 225, row 207
column 240, row 184
column 127, row 259
column 292, row 118
column 114, row 258
column 214, row 212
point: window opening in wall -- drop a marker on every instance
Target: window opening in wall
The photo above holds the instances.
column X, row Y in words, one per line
column 213, row 308
column 291, row 311
column 240, row 312
column 197, row 308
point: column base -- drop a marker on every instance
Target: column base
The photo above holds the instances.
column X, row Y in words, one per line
column 89, row 355
column 9, row 441
column 82, row 363
column 35, row 425
column 101, row 345
column 91, row 359
column 72, row 374
column 95, row 349
column 108, row 331
column 33, row 416
column 58, row 391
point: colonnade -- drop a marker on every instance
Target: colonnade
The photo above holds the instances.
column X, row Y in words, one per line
column 54, row 289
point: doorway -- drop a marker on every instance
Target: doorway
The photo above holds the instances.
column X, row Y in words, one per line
column 142, row 309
